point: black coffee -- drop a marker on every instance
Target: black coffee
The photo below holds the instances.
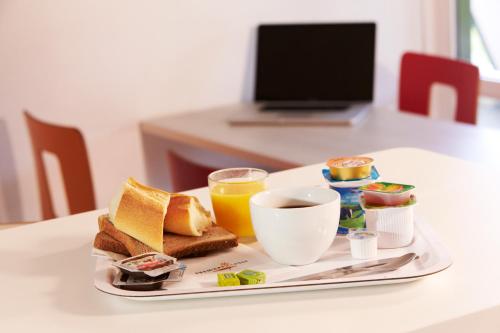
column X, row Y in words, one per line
column 298, row 206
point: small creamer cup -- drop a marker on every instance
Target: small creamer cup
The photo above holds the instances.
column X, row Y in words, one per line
column 363, row 244
column 295, row 236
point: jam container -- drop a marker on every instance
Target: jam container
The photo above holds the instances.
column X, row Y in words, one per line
column 363, row 243
column 351, row 213
column 387, row 194
column 150, row 264
column 394, row 224
column 350, row 168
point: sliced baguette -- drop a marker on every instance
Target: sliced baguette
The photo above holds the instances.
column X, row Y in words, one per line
column 186, row 216
column 139, row 211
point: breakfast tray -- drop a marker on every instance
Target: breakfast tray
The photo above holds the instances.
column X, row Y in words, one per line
column 200, row 277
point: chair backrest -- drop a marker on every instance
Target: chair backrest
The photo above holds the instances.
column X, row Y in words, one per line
column 68, row 145
column 419, row 72
column 185, row 174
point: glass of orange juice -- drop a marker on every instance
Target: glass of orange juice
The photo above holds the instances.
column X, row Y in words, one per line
column 230, row 191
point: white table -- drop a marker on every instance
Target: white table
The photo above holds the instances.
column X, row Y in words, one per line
column 47, row 273
column 206, row 137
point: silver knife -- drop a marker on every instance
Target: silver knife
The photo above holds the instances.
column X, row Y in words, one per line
column 371, row 267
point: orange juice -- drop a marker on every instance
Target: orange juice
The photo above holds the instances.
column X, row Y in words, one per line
column 230, row 200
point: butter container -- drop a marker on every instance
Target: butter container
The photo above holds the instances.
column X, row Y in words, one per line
column 150, row 264
column 227, row 279
column 387, row 194
column 350, row 168
column 394, row 224
column 249, row 276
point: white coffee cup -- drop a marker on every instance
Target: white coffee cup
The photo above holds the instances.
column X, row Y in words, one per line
column 295, row 236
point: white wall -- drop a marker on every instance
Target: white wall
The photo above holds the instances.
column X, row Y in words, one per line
column 105, row 65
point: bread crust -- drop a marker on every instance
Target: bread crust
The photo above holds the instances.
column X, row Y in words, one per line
column 186, row 216
column 141, row 213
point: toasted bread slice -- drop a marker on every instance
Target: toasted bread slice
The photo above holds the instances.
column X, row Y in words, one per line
column 179, row 246
column 133, row 246
column 139, row 211
column 105, row 242
column 215, row 238
column 186, row 216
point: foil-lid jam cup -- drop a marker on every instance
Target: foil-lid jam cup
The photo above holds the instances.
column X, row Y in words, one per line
column 350, row 168
column 150, row 264
column 394, row 224
column 363, row 243
column 387, row 194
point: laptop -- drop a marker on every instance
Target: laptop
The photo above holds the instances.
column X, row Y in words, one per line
column 318, row 74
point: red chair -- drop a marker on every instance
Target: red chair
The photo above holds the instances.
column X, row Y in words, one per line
column 68, row 145
column 419, row 72
column 185, row 174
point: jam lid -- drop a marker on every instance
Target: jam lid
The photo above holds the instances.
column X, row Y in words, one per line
column 147, row 264
column 388, row 188
column 361, row 234
column 349, row 162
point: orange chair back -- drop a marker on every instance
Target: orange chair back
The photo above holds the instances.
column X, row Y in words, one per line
column 68, row 145
column 185, row 174
column 419, row 72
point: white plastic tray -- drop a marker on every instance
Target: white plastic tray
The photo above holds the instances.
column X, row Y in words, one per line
column 200, row 282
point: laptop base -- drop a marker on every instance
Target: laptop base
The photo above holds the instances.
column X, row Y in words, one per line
column 255, row 117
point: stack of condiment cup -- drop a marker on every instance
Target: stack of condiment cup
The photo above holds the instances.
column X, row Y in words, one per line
column 345, row 175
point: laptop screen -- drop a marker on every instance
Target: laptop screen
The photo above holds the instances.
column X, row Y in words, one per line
column 315, row 62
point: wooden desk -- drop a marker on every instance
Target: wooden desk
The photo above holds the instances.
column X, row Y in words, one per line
column 206, row 136
column 47, row 272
